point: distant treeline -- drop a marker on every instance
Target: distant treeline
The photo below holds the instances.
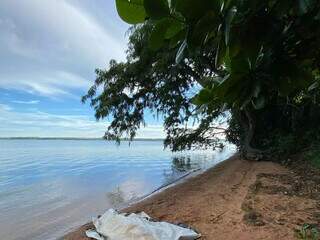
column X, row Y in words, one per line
column 73, row 138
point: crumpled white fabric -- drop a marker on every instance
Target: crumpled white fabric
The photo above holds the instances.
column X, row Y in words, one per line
column 115, row 226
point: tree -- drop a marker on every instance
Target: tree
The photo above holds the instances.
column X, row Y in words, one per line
column 258, row 60
column 151, row 81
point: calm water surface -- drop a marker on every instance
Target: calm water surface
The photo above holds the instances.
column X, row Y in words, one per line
column 50, row 186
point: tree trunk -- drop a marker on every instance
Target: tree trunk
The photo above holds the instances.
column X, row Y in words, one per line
column 250, row 152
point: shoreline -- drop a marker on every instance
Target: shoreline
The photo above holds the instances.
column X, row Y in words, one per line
column 235, row 199
column 73, row 234
column 180, row 180
column 163, row 187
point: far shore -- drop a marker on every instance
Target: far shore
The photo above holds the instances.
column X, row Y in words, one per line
column 75, row 138
column 237, row 199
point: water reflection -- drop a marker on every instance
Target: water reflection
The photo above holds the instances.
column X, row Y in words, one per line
column 181, row 165
column 116, row 197
column 47, row 187
column 125, row 192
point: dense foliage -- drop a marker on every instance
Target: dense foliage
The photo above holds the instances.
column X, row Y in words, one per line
column 197, row 59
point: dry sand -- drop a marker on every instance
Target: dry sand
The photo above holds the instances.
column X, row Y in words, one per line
column 237, row 199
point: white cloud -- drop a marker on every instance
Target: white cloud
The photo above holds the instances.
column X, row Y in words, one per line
column 31, row 102
column 51, row 48
column 4, row 108
column 42, row 124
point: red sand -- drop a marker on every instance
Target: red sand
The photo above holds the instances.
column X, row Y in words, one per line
column 237, row 199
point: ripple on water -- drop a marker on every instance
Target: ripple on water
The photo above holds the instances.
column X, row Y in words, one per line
column 48, row 186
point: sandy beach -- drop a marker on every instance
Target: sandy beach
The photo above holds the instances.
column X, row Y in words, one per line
column 236, row 199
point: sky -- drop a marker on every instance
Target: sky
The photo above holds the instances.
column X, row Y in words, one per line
column 49, row 50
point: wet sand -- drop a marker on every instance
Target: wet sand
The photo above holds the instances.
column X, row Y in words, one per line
column 236, row 199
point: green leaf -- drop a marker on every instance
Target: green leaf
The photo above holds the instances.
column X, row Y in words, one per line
column 203, row 28
column 203, row 97
column 166, row 28
column 227, row 60
column 227, row 4
column 231, row 13
column 210, row 81
column 220, row 54
column 174, row 28
column 157, row 9
column 180, row 53
column 240, row 64
column 313, row 86
column 158, row 34
column 131, row 11
column 175, row 40
column 193, row 9
column 259, row 103
column 257, row 90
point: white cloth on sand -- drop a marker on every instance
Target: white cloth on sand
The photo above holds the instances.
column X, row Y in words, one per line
column 116, row 226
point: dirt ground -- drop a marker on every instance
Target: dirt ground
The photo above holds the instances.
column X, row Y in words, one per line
column 239, row 200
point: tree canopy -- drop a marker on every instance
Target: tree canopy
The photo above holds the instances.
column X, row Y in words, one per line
column 193, row 60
